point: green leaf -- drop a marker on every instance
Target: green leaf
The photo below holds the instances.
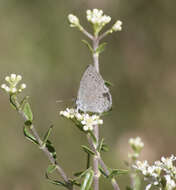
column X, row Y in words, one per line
column 93, row 137
column 86, row 185
column 55, row 182
column 104, row 148
column 129, row 188
column 27, row 111
column 51, row 149
column 74, row 182
column 47, row 134
column 28, row 135
column 12, row 102
column 87, row 150
column 28, row 123
column 51, row 168
column 88, row 161
column 107, row 83
column 77, row 174
column 82, row 173
column 88, row 45
column 100, row 145
column 100, row 48
column 23, row 101
column 102, row 172
column 117, row 172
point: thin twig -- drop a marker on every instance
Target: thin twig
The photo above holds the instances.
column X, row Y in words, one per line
column 86, row 33
column 43, row 148
column 103, row 35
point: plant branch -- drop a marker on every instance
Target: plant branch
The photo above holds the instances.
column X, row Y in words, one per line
column 86, row 33
column 104, row 35
column 101, row 162
column 43, row 148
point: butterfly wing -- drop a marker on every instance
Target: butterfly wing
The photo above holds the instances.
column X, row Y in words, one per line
column 93, row 95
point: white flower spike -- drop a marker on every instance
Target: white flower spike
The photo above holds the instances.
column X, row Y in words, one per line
column 13, row 81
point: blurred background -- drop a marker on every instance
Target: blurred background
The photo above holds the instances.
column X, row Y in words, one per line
column 37, row 42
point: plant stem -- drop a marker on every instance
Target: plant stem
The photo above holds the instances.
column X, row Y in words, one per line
column 96, row 127
column 101, row 162
column 44, row 149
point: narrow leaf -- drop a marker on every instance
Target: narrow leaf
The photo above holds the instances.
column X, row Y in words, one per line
column 100, row 145
column 28, row 112
column 88, row 45
column 81, row 174
column 12, row 102
column 101, row 48
column 87, row 150
column 23, row 101
column 51, row 148
column 55, row 182
column 28, row 135
column 129, row 188
column 102, row 172
column 47, row 134
column 77, row 174
column 104, row 148
column 93, row 137
column 51, row 168
column 87, row 181
column 117, row 172
column 74, row 182
column 107, row 83
column 88, row 161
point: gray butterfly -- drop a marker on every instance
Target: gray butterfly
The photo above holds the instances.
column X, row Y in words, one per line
column 93, row 94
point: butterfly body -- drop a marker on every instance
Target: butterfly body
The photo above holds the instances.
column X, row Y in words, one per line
column 93, row 94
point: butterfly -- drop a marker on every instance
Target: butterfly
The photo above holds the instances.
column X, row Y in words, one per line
column 93, row 95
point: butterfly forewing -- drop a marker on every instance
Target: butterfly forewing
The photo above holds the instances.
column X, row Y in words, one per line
column 93, row 95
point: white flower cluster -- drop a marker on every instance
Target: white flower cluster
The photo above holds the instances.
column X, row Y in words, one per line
column 160, row 171
column 137, row 145
column 13, row 81
column 117, row 26
column 87, row 121
column 74, row 21
column 97, row 17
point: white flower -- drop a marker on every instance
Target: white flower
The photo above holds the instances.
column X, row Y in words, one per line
column 19, row 77
column 7, row 78
column 68, row 113
column 13, row 81
column 13, row 77
column 148, row 186
column 136, row 143
column 170, row 183
column 168, row 162
column 142, row 166
column 117, row 26
column 98, row 19
column 74, row 21
column 23, row 86
column 87, row 121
